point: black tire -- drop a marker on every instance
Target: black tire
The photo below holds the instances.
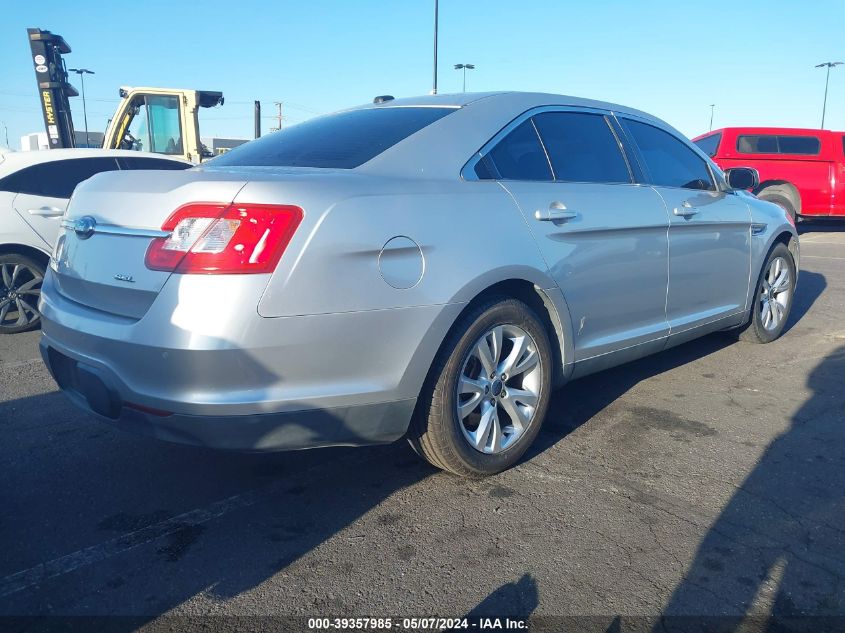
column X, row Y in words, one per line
column 757, row 331
column 438, row 434
column 781, row 200
column 25, row 291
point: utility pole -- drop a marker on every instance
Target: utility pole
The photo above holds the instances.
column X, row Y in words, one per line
column 712, row 108
column 82, row 72
column 434, row 88
column 829, row 65
column 278, row 104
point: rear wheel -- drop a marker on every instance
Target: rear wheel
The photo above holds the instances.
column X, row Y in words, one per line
column 773, row 297
column 20, row 289
column 487, row 393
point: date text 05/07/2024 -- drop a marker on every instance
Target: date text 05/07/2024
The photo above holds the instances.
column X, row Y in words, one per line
column 418, row 624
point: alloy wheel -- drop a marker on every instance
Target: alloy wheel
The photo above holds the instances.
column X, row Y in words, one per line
column 499, row 388
column 20, row 288
column 775, row 294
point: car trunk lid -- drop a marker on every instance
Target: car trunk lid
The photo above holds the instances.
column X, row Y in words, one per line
column 110, row 222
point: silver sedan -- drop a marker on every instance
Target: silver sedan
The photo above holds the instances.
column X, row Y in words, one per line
column 428, row 268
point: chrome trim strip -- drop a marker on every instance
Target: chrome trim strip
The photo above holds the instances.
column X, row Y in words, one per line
column 545, row 151
column 114, row 229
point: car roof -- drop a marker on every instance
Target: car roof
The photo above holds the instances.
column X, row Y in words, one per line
column 440, row 149
column 461, row 99
column 13, row 161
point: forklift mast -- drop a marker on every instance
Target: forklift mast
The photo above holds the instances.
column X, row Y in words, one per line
column 53, row 86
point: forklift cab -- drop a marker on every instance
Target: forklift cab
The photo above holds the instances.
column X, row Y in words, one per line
column 164, row 121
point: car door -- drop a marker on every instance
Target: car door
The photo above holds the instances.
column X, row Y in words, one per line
column 46, row 189
column 602, row 236
column 709, row 232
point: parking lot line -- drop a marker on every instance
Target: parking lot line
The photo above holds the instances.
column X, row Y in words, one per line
column 820, row 257
column 90, row 555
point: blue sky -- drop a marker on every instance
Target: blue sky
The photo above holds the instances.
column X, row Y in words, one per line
column 753, row 59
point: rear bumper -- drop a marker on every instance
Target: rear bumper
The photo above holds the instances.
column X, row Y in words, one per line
column 93, row 389
column 229, row 378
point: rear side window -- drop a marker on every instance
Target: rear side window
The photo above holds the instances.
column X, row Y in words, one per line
column 582, row 147
column 150, row 163
column 777, row 144
column 520, row 156
column 343, row 141
column 56, row 179
column 22, row 181
column 669, row 161
column 799, row 145
column 60, row 177
column 710, row 144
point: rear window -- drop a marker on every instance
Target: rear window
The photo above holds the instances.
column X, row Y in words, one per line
column 150, row 163
column 777, row 144
column 710, row 144
column 343, row 141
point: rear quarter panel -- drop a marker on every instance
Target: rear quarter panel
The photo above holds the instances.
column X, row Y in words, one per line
column 469, row 236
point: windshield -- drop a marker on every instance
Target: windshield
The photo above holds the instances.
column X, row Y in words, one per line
column 156, row 126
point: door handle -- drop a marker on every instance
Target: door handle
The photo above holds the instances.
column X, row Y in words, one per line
column 47, row 212
column 557, row 212
column 686, row 210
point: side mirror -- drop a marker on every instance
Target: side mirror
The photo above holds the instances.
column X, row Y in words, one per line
column 742, row 178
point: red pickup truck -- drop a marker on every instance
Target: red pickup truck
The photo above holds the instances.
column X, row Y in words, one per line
column 801, row 170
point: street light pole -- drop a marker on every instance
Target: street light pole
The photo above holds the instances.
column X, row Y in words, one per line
column 465, row 67
column 82, row 72
column 712, row 108
column 828, row 65
column 434, row 88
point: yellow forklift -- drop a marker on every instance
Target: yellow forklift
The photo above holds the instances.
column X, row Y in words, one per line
column 161, row 120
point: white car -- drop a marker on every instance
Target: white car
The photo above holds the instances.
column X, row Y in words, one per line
column 35, row 188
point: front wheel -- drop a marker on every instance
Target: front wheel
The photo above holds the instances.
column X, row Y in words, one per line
column 487, row 393
column 772, row 298
column 20, row 289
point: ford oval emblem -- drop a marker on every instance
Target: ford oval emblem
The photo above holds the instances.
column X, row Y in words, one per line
column 84, row 227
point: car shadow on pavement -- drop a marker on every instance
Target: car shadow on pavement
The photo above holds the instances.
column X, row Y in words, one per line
column 98, row 521
column 580, row 400
column 776, row 549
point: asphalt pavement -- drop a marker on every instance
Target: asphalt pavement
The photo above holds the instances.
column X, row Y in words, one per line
column 706, row 480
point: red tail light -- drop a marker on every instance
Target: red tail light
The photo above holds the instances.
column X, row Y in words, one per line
column 217, row 238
